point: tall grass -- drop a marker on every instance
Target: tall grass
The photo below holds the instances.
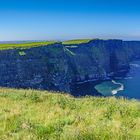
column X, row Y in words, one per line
column 42, row 115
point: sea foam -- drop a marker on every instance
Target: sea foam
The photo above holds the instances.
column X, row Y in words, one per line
column 121, row 88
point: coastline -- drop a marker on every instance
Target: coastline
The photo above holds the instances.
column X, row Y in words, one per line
column 94, row 92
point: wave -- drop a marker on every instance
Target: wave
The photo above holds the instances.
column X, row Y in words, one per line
column 130, row 77
column 135, row 65
column 121, row 88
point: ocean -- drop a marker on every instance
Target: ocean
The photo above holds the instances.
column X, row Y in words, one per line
column 128, row 87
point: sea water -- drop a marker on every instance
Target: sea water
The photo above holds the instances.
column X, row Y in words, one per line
column 127, row 87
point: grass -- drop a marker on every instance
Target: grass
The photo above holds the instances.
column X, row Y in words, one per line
column 43, row 115
column 22, row 53
column 76, row 41
column 37, row 44
column 25, row 45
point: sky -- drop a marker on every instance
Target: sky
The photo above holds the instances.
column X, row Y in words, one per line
column 69, row 19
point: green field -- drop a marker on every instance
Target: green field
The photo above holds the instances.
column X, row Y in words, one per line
column 42, row 115
column 25, row 45
column 76, row 41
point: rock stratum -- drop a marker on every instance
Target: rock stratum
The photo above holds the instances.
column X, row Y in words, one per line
column 59, row 66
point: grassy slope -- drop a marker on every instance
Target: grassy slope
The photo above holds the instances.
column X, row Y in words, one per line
column 38, row 115
column 25, row 45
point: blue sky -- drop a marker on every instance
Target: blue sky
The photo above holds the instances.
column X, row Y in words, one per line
column 69, row 19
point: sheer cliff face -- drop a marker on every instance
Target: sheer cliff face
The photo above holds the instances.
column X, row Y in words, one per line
column 42, row 67
column 57, row 67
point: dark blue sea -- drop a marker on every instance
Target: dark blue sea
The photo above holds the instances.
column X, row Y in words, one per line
column 128, row 86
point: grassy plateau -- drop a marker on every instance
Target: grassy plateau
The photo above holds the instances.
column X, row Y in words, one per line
column 43, row 115
column 25, row 45
column 76, row 41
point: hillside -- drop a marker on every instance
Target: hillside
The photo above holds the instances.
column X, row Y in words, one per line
column 42, row 115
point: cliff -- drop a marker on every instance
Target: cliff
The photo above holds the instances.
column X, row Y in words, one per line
column 59, row 66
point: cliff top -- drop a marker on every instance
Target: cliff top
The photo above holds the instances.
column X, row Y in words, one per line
column 76, row 41
column 6, row 46
column 26, row 45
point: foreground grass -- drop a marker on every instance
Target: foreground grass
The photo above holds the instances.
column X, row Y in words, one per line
column 42, row 115
column 25, row 45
